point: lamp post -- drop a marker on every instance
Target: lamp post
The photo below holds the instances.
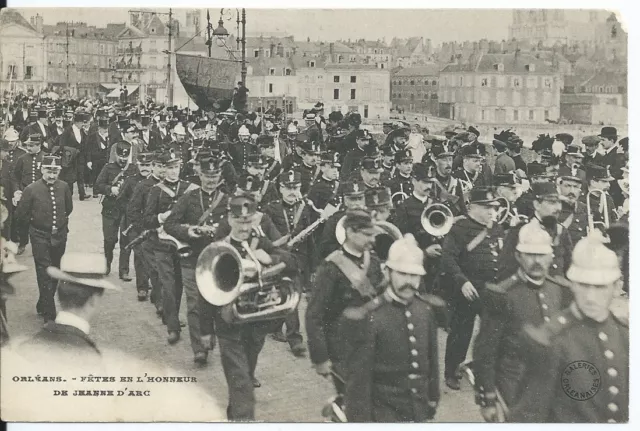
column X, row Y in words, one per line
column 221, row 34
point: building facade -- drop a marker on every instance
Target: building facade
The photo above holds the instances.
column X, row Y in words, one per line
column 415, row 89
column 600, row 98
column 22, row 55
column 500, row 88
column 372, row 52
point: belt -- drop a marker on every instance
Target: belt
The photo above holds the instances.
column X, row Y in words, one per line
column 54, row 230
column 400, row 379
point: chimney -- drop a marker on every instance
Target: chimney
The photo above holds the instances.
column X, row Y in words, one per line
column 37, row 22
column 331, row 49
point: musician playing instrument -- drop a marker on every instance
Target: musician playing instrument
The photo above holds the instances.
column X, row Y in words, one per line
column 325, row 189
column 135, row 214
column 309, row 169
column 471, row 171
column 506, row 188
column 241, row 343
column 350, row 276
column 194, row 220
column 291, row 215
column 266, row 145
column 547, row 206
column 451, row 191
column 393, row 369
column 602, row 206
column 529, row 296
column 401, row 181
column 144, row 168
column 162, row 197
column 109, row 184
column 256, row 168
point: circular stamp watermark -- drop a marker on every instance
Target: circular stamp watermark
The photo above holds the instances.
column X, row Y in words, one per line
column 581, row 380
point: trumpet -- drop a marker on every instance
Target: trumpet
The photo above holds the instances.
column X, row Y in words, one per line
column 437, row 220
column 603, row 209
column 245, row 290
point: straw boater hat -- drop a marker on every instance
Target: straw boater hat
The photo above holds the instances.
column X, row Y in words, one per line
column 86, row 269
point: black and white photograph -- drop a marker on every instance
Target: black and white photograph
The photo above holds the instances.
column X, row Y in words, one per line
column 232, row 214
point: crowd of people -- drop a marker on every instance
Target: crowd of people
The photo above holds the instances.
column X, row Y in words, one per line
column 390, row 240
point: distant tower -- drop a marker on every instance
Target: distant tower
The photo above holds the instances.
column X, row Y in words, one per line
column 192, row 22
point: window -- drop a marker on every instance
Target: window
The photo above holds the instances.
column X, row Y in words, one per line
column 546, row 97
column 500, row 98
column 434, row 82
column 272, row 71
column 546, row 114
column 516, row 98
column 366, row 111
column 152, row 46
column 266, row 53
column 461, row 81
column 531, row 98
column 336, row 78
column 482, row 115
column 256, row 53
column 336, row 93
column 484, row 82
column 426, row 82
column 270, row 88
column 413, row 82
column 353, row 79
column 312, row 64
column 307, row 94
column 287, row 72
column 516, row 82
column 366, row 94
column 28, row 74
column 547, row 82
column 530, row 67
column 484, row 97
column 531, row 115
column 515, row 115
column 501, row 81
column 320, row 95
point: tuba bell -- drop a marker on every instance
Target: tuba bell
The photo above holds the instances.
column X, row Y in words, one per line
column 245, row 290
column 437, row 220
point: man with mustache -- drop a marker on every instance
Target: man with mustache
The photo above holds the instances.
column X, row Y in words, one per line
column 392, row 373
column 401, row 180
column 529, row 296
column 547, row 207
column 587, row 332
column 573, row 214
column 370, row 171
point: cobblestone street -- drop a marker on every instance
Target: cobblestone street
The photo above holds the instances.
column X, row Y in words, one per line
column 291, row 390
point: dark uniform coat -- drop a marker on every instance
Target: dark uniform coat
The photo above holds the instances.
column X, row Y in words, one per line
column 322, row 192
column 392, row 371
column 27, row 170
column 308, row 175
column 330, row 294
column 138, row 202
column 577, row 227
column 508, row 306
column 327, row 238
column 112, row 175
column 557, row 349
column 273, row 169
column 400, row 183
column 291, row 161
column 239, row 152
column 351, row 163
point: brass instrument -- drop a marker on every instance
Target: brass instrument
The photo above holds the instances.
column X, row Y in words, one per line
column 399, row 196
column 603, row 208
column 437, row 220
column 246, row 291
column 387, row 234
column 503, row 410
column 183, row 249
column 327, row 212
column 504, row 212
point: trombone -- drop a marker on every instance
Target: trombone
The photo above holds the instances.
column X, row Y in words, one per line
column 399, row 196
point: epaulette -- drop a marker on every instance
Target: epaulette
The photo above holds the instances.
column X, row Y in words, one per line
column 545, row 333
column 503, row 286
column 559, row 280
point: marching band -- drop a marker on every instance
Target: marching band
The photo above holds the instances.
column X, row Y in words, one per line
column 388, row 240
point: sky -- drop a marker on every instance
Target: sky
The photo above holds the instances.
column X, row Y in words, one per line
column 326, row 24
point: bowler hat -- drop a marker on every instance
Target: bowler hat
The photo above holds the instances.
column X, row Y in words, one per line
column 608, row 132
column 565, row 138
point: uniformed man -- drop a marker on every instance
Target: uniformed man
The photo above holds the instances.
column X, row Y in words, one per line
column 194, row 220
column 109, row 184
column 325, row 189
column 240, row 344
column 470, row 174
column 13, row 151
column 144, row 168
column 365, row 146
column 162, row 197
column 506, row 186
column 294, row 139
column 547, row 206
column 350, row 276
column 469, row 260
column 310, row 152
column 387, row 163
column 579, row 361
column 290, row 216
column 598, row 183
column 573, row 214
column 43, row 211
column 241, row 149
column 401, row 182
column 135, row 216
column 267, row 191
column 80, row 281
column 267, row 148
column 530, row 296
column 572, row 165
column 392, row 372
column 450, row 191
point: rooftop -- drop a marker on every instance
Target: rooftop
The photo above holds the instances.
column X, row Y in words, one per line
column 12, row 16
column 432, row 69
column 513, row 63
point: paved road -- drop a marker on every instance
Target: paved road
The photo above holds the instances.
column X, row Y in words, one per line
column 291, row 391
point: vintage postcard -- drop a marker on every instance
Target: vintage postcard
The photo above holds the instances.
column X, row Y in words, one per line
column 310, row 215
